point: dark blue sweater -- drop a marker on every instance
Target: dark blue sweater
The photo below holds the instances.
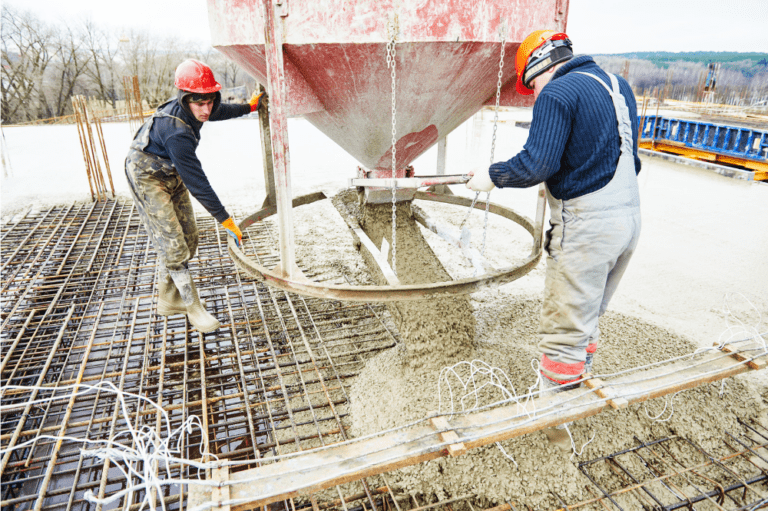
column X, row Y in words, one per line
column 574, row 142
column 170, row 140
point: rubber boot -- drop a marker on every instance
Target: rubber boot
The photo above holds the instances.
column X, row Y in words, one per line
column 169, row 300
column 557, row 436
column 198, row 316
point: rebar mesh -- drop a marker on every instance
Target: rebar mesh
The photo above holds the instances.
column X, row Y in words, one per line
column 676, row 473
column 79, row 307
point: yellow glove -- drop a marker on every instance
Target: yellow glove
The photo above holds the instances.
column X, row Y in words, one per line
column 233, row 230
column 256, row 100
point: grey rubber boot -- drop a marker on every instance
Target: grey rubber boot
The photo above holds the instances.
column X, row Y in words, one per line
column 198, row 316
column 169, row 300
column 558, row 435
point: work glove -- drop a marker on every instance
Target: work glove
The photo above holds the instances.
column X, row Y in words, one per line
column 257, row 99
column 481, row 180
column 233, row 230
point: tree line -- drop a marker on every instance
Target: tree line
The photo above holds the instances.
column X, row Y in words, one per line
column 44, row 65
column 743, row 81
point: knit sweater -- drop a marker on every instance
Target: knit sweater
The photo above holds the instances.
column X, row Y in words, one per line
column 171, row 140
column 574, row 142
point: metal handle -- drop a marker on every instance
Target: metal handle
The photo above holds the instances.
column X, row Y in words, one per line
column 410, row 182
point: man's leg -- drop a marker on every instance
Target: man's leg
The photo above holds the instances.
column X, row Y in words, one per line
column 186, row 216
column 583, row 271
column 154, row 201
column 632, row 223
column 169, row 299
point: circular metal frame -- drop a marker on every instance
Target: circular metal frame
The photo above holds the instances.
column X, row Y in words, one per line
column 393, row 293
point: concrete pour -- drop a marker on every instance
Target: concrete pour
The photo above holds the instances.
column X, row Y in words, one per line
column 437, row 329
column 499, row 327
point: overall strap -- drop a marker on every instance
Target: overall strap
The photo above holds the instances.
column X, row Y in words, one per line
column 141, row 139
column 622, row 111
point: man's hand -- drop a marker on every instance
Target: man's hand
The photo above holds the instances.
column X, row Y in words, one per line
column 257, row 99
column 233, row 230
column 481, row 181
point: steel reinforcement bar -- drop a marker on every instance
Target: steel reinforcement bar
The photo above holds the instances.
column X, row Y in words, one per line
column 78, row 310
column 311, row 472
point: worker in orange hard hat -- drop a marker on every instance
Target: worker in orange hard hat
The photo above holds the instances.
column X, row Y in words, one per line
column 583, row 145
column 162, row 168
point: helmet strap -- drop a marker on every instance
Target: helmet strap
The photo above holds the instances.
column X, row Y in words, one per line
column 538, row 66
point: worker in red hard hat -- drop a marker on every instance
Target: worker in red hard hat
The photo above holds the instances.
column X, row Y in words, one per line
column 583, row 145
column 162, row 168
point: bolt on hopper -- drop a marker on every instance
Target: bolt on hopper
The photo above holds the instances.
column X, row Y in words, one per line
column 328, row 62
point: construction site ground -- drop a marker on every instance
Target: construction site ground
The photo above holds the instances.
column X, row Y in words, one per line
column 698, row 277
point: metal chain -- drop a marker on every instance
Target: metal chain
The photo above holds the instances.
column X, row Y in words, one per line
column 503, row 36
column 392, row 28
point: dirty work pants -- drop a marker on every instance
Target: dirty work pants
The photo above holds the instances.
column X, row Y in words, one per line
column 589, row 245
column 165, row 209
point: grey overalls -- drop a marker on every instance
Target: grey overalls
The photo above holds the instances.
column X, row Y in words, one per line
column 589, row 247
column 162, row 201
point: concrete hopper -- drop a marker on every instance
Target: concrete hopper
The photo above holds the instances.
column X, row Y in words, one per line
column 329, row 61
column 336, row 74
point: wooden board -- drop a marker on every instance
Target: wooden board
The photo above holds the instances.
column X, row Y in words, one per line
column 315, row 471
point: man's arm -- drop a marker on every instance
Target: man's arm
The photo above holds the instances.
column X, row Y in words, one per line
column 230, row 111
column 181, row 149
column 540, row 158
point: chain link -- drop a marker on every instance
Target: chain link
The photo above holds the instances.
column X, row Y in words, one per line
column 392, row 29
column 503, row 36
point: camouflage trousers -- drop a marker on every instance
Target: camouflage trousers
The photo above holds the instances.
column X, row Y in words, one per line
column 165, row 209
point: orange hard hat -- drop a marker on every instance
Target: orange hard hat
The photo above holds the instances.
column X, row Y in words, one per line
column 194, row 76
column 538, row 52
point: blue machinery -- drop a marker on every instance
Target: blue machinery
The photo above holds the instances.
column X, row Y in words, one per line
column 744, row 147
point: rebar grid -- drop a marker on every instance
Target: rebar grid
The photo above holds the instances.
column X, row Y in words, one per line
column 675, row 473
column 78, row 308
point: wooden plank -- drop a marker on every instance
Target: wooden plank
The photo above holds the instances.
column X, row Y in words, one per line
column 456, row 448
column 760, row 363
column 314, row 471
column 478, row 261
column 362, row 241
column 605, row 392
column 220, row 494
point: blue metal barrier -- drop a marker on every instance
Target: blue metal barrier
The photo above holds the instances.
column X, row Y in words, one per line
column 730, row 141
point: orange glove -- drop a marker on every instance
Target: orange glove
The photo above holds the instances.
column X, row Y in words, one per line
column 233, row 230
column 257, row 99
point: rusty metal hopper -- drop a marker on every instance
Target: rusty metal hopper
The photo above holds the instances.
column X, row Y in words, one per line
column 336, row 74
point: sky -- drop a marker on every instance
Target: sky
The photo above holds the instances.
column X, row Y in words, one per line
column 594, row 26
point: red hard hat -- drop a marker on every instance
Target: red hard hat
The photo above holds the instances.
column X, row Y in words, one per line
column 194, row 76
column 528, row 68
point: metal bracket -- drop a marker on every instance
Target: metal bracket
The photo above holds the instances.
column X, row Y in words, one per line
column 395, row 292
